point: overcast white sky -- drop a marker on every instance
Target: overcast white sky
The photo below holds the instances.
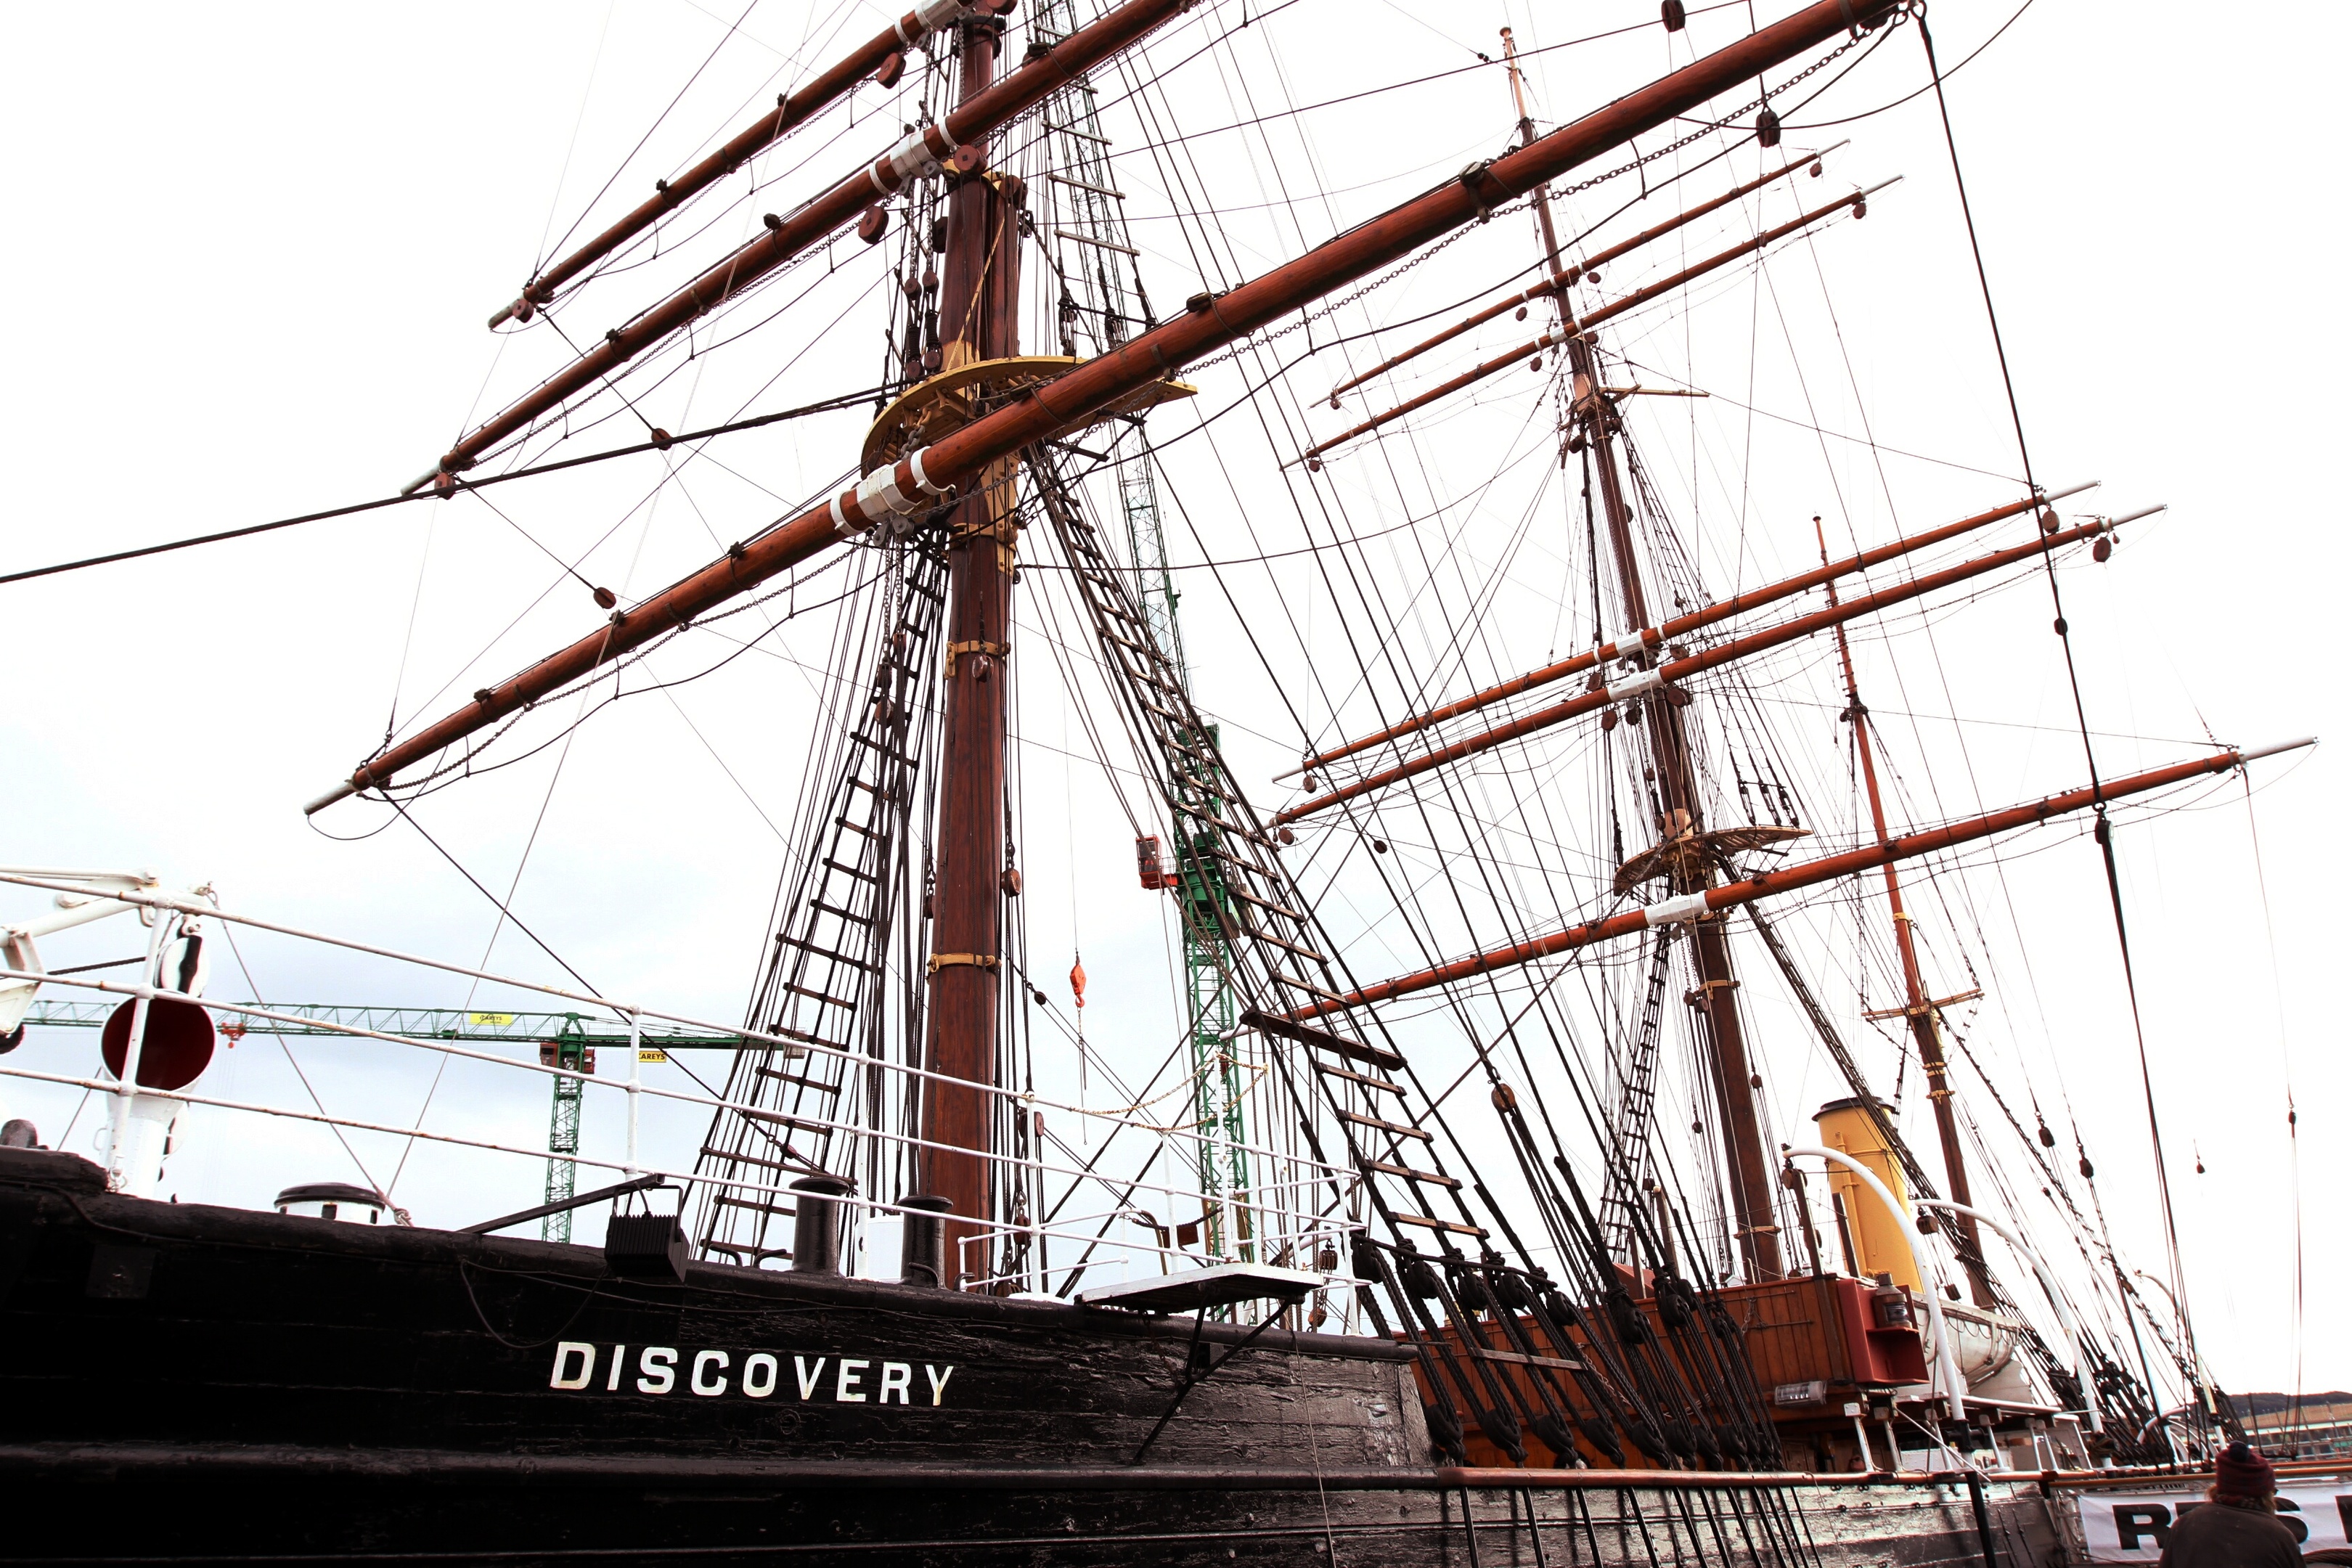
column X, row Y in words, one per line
column 253, row 247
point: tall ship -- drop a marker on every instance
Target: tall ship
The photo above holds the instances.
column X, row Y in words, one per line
column 1569, row 1130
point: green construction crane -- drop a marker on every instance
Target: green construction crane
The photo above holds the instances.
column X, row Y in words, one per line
column 565, row 1040
column 1101, row 302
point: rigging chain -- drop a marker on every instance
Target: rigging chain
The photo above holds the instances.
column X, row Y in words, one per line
column 1332, row 306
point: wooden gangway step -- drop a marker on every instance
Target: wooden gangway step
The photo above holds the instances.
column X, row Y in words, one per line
column 1426, row 1222
column 1394, row 1128
column 1409, row 1173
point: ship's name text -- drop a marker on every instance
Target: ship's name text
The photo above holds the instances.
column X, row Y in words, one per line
column 664, row 1369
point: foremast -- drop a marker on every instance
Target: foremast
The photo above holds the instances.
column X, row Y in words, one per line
column 979, row 319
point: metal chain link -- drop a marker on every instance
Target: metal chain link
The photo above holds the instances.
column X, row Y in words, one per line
column 1758, row 101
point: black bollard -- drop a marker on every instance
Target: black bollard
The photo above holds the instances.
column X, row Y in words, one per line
column 923, row 1244
column 817, row 1225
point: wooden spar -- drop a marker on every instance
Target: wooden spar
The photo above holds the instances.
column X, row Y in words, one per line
column 1216, row 320
column 1663, row 676
column 791, row 111
column 1786, row 879
column 1632, row 643
column 1560, row 280
column 1212, row 321
column 980, row 308
column 955, row 142
column 1614, row 308
column 1922, row 1013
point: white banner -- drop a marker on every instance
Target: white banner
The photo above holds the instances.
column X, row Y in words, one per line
column 2132, row 1527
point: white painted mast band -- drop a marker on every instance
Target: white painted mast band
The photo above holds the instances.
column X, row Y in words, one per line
column 1634, row 685
column 1671, row 912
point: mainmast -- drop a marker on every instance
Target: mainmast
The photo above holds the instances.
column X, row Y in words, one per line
column 979, row 319
column 1677, row 796
column 1923, row 1013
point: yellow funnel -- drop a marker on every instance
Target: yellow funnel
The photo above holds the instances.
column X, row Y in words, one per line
column 1880, row 1244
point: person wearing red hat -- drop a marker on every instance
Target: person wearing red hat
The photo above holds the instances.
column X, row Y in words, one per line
column 2238, row 1526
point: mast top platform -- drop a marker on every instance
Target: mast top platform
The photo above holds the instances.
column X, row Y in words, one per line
column 941, row 405
column 1693, row 855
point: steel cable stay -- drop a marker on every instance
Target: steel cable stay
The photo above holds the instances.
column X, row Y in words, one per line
column 951, row 142
column 2103, row 830
column 1491, row 1404
column 1334, row 530
column 1603, row 695
column 830, row 88
column 1153, row 146
column 1470, row 619
column 1365, row 589
column 1591, row 1314
column 1063, row 652
column 758, row 422
column 1244, row 513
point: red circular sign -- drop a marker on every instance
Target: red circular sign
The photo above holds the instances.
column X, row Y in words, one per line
column 178, row 1048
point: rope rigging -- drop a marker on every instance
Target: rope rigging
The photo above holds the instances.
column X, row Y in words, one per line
column 1427, row 564
column 2103, row 830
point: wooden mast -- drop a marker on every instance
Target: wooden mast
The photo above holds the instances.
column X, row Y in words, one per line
column 979, row 319
column 1856, row 203
column 1211, row 320
column 1923, row 1013
column 1560, row 281
column 1743, row 1135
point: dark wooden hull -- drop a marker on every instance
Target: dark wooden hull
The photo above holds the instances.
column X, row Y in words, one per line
column 186, row 1382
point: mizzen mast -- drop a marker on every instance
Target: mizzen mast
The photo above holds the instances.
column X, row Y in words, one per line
column 1678, row 813
column 1923, row 1013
